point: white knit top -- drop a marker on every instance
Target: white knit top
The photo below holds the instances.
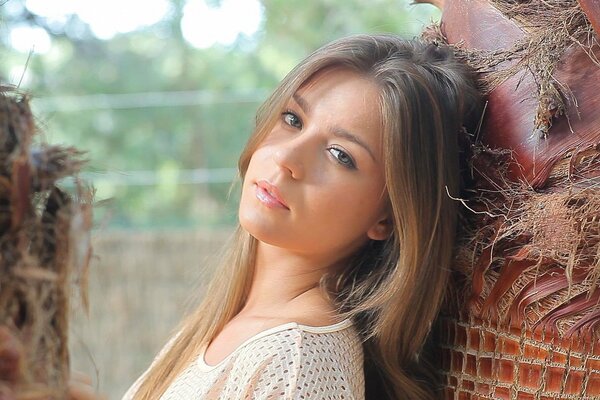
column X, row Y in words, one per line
column 289, row 361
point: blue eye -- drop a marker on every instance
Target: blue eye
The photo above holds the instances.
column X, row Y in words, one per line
column 342, row 157
column 291, row 119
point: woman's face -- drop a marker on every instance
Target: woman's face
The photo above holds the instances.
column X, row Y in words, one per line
column 315, row 185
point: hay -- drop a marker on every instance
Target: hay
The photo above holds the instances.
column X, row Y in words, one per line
column 532, row 258
column 551, row 28
column 44, row 243
column 522, row 319
column 484, row 361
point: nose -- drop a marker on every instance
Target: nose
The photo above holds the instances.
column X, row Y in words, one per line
column 290, row 157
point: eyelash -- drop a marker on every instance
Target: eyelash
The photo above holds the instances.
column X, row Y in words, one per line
column 350, row 164
column 335, row 151
column 289, row 113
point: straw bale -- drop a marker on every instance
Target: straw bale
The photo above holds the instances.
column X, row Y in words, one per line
column 44, row 246
column 551, row 28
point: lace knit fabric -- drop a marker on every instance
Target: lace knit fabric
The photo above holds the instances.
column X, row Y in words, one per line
column 290, row 361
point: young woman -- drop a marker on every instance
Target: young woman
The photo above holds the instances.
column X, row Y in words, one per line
column 345, row 239
column 346, row 233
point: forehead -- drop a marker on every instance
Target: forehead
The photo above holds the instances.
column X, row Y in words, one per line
column 343, row 81
column 343, row 97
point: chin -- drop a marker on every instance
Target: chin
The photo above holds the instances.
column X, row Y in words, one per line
column 255, row 225
column 263, row 231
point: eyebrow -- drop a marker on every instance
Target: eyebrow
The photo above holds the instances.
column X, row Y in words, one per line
column 302, row 103
column 340, row 132
column 337, row 131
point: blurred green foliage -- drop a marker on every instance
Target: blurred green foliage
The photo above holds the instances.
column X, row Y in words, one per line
column 149, row 101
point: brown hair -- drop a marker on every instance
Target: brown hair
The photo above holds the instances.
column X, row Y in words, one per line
column 392, row 289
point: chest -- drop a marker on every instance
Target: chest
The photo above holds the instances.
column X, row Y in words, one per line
column 233, row 335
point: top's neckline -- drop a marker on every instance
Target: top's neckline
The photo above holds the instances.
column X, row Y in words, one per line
column 282, row 327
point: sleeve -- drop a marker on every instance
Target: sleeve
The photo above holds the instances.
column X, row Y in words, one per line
column 307, row 369
column 327, row 372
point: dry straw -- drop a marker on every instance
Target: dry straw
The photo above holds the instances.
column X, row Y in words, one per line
column 551, row 27
column 44, row 247
column 523, row 317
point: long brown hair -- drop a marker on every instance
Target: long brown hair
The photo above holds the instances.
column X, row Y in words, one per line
column 391, row 289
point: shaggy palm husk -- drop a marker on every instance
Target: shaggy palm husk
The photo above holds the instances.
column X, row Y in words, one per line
column 522, row 319
column 532, row 258
column 551, row 27
column 518, row 239
column 44, row 246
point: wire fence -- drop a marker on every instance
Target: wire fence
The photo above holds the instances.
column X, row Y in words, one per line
column 196, row 176
column 162, row 197
column 145, row 100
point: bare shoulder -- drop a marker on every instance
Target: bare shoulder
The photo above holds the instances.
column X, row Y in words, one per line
column 235, row 333
column 317, row 319
column 245, row 327
column 315, row 311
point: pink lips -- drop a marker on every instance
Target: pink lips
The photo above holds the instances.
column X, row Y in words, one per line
column 269, row 195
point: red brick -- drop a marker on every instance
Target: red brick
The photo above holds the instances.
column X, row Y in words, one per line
column 501, row 393
column 453, row 381
column 593, row 386
column 574, row 382
column 489, row 341
column 534, row 352
column 485, row 367
column 530, row 375
column 474, row 338
column 506, row 369
column 469, row 385
column 461, row 336
column 510, row 346
column 471, row 366
column 457, row 361
column 482, row 389
column 593, row 364
column 559, row 358
column 575, row 362
column 554, row 376
column 525, row 396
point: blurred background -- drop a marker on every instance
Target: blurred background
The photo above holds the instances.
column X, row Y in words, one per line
column 161, row 94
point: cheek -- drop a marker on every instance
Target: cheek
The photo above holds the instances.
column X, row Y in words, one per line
column 360, row 203
column 257, row 158
column 249, row 216
column 253, row 166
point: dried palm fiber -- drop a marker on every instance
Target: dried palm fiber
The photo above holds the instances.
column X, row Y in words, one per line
column 43, row 240
column 522, row 320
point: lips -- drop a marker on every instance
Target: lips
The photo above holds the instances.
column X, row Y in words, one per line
column 269, row 195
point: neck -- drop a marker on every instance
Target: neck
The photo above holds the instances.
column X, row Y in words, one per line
column 286, row 283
